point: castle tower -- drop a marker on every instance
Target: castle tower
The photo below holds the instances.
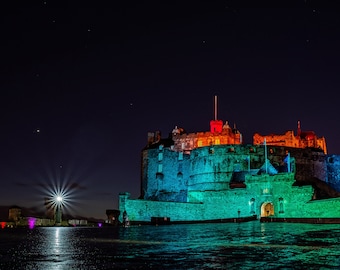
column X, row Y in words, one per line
column 216, row 125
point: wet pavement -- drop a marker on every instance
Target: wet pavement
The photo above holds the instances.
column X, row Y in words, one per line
column 250, row 245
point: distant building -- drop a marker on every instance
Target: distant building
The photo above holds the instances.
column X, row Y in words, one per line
column 17, row 217
column 14, row 214
column 112, row 217
column 77, row 222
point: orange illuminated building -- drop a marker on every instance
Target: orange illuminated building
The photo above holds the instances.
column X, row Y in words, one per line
column 219, row 134
column 303, row 139
column 223, row 134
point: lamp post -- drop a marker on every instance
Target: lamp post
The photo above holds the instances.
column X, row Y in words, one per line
column 58, row 211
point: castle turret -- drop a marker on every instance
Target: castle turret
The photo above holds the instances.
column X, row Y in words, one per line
column 216, row 125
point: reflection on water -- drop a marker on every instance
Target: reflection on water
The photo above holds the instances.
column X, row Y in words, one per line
column 251, row 245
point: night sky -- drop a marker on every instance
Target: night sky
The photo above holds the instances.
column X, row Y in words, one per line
column 82, row 85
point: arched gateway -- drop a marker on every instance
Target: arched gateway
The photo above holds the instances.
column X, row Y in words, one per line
column 267, row 209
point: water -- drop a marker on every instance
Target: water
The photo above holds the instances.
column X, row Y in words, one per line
column 251, row 245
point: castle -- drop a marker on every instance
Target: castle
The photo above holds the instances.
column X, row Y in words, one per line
column 213, row 177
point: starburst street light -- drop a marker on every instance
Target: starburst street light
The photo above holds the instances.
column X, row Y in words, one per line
column 58, row 211
column 60, row 190
column 59, row 199
column 56, row 201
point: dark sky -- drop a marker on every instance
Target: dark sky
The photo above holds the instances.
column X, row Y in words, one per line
column 82, row 85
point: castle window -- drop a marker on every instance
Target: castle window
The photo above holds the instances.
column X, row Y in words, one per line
column 331, row 160
column 281, row 205
column 252, row 150
column 160, row 168
column 159, row 176
column 160, row 156
column 160, row 147
column 266, row 191
column 199, row 143
column 237, row 167
column 211, row 150
column 217, row 141
column 180, row 155
column 252, row 206
column 180, row 175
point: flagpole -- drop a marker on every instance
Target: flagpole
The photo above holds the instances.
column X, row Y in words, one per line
column 248, row 163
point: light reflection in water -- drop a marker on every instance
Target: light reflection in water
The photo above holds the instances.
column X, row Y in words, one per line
column 56, row 243
column 251, row 245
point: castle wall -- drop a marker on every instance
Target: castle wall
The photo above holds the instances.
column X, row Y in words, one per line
column 217, row 205
column 164, row 175
column 144, row 210
column 212, row 167
column 326, row 208
column 168, row 175
column 333, row 169
column 309, row 164
column 287, row 200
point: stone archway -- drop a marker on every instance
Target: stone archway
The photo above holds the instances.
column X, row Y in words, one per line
column 267, row 209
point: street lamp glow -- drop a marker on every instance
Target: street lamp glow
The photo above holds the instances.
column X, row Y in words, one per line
column 59, row 197
column 58, row 210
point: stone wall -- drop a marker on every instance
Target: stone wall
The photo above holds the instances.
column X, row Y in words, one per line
column 168, row 175
column 164, row 175
column 144, row 210
column 286, row 200
column 196, row 186
column 333, row 170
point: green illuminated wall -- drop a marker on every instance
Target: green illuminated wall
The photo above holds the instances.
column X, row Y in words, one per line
column 196, row 186
column 261, row 189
